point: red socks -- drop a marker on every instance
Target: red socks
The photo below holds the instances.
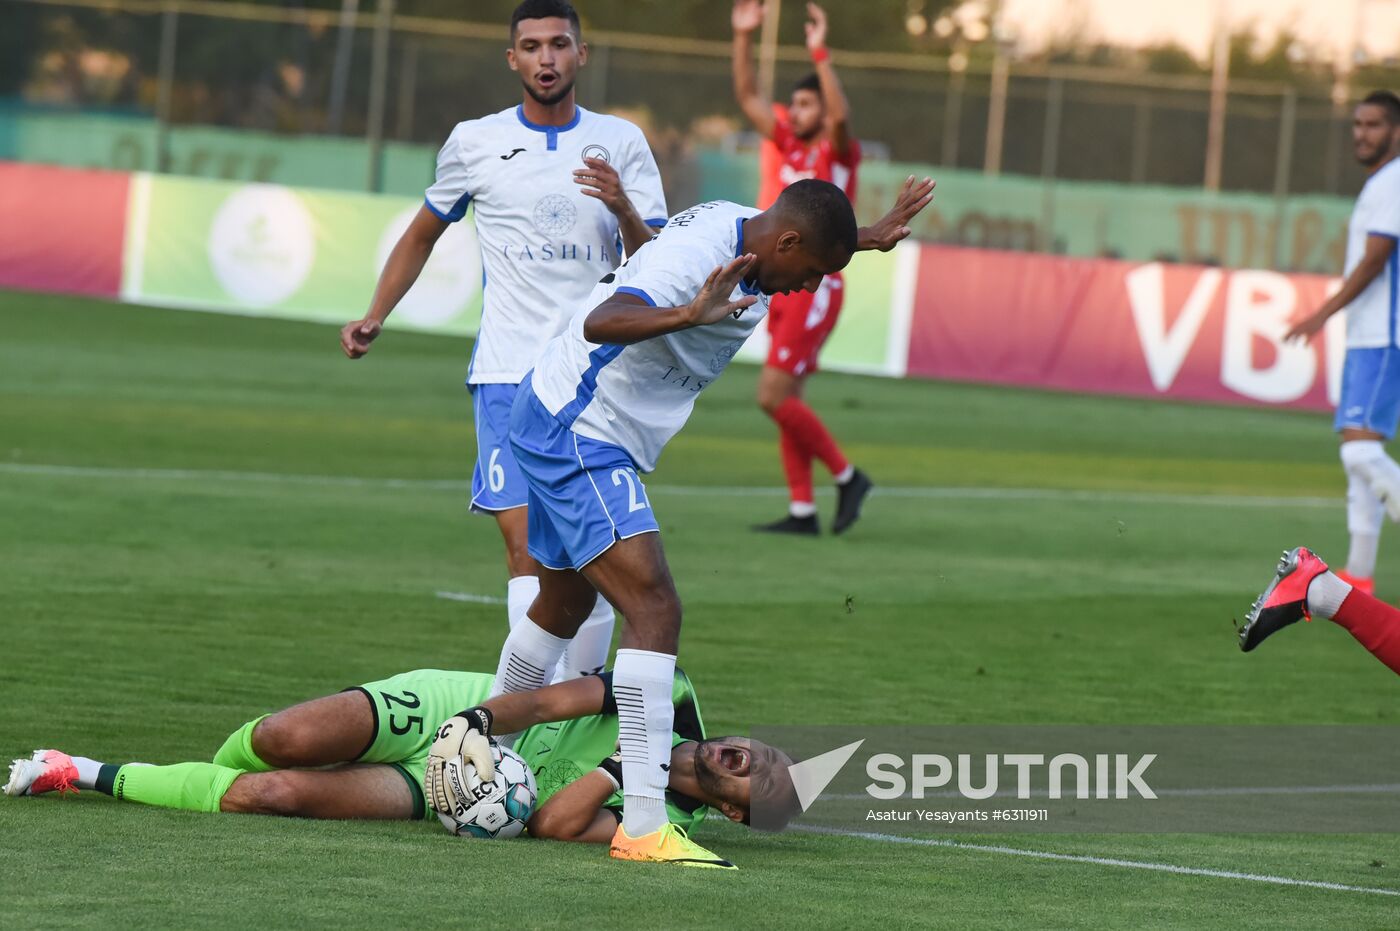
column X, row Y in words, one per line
column 1374, row 624
column 804, row 436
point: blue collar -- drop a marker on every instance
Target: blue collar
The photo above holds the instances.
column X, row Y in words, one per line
column 738, row 251
column 551, row 132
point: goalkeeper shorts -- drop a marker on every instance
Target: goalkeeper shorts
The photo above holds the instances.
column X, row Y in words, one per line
column 407, row 711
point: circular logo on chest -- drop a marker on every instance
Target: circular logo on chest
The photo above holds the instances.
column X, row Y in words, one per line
column 597, row 151
column 555, row 215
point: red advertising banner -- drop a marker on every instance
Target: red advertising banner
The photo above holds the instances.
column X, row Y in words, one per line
column 1112, row 327
column 62, row 230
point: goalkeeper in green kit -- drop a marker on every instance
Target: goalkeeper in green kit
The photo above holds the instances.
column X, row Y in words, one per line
column 374, row 748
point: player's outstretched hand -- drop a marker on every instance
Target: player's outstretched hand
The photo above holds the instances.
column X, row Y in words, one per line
column 712, row 304
column 913, row 197
column 816, row 27
column 1306, row 328
column 463, row 735
column 356, row 336
column 747, row 15
column 600, row 180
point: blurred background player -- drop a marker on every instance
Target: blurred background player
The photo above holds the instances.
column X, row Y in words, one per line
column 1303, row 588
column 1369, row 408
column 810, row 139
column 558, row 192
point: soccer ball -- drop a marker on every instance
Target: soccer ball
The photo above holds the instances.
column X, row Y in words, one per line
column 490, row 810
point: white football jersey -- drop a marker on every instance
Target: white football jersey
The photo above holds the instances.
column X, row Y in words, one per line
column 1371, row 318
column 639, row 396
column 544, row 243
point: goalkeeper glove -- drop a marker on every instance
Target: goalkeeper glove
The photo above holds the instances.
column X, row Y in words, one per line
column 467, row 735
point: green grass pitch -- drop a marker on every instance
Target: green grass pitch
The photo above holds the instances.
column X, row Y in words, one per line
column 169, row 569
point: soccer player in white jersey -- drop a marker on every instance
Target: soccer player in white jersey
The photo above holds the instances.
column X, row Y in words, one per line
column 1369, row 407
column 559, row 192
column 603, row 399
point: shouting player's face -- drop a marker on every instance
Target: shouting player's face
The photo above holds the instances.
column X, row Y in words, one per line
column 1372, row 134
column 806, row 114
column 740, row 771
column 547, row 55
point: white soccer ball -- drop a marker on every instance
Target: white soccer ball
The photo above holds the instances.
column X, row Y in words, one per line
column 495, row 809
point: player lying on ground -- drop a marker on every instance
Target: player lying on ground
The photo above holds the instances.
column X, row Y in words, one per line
column 376, row 738
column 604, row 398
column 1303, row 588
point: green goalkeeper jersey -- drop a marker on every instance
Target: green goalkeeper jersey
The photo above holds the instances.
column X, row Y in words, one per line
column 564, row 751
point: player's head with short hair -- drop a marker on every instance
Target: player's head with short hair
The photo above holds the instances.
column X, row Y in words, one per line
column 747, row 781
column 810, row 232
column 546, row 48
column 1374, row 126
column 807, row 108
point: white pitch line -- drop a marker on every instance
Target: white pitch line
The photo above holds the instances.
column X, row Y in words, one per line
column 1384, row 788
column 933, row 492
column 1095, row 861
column 469, row 597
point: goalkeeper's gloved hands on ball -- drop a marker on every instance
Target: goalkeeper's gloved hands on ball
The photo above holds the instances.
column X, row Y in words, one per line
column 467, row 735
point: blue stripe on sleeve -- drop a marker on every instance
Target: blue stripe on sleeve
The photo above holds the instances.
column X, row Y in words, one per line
column 636, row 292
column 458, row 210
column 656, row 222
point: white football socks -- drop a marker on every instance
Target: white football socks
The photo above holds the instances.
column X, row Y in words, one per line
column 88, row 771
column 801, row 508
column 642, row 686
column 520, row 594
column 529, row 655
column 587, row 654
column 1326, row 593
column 1364, row 508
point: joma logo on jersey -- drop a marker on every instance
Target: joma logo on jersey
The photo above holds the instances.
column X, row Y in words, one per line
column 682, row 379
column 558, row 252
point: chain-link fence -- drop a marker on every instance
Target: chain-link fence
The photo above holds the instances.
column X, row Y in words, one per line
column 293, row 70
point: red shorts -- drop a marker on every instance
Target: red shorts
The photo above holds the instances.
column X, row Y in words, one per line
column 799, row 323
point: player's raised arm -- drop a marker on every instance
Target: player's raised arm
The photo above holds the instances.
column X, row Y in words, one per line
column 629, row 317
column 402, row 269
column 745, row 18
column 837, row 111
column 886, row 232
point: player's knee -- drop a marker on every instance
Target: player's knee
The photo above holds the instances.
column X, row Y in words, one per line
column 770, row 398
column 280, row 742
column 275, row 793
column 546, row 825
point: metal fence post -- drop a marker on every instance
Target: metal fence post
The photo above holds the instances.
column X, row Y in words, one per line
column 340, row 69
column 378, row 77
column 408, row 90
column 1142, row 129
column 1215, row 124
column 1283, row 167
column 1049, row 160
column 952, row 116
column 996, row 112
column 165, row 85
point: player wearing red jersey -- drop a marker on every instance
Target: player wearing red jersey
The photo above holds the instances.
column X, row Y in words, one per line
column 812, row 140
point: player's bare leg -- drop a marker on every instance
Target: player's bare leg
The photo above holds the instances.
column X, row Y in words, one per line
column 367, row 791
column 587, row 652
column 634, row 576
column 319, row 732
column 803, row 437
